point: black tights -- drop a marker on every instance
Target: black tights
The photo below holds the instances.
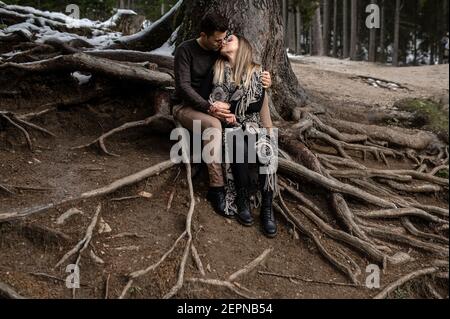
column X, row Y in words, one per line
column 241, row 170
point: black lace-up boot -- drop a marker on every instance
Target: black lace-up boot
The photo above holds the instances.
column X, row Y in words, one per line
column 244, row 214
column 269, row 224
column 216, row 196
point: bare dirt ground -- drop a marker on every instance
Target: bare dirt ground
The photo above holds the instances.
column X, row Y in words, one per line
column 56, row 170
column 335, row 83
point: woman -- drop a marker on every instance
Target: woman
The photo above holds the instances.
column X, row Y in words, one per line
column 237, row 81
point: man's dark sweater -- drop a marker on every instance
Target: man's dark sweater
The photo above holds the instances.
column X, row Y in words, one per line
column 193, row 75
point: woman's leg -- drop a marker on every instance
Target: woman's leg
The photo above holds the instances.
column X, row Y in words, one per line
column 240, row 168
column 267, row 216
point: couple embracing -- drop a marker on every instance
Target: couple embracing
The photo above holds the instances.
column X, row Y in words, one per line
column 219, row 85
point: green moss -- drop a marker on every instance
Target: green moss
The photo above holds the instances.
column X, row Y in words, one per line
column 2, row 26
column 443, row 173
column 429, row 115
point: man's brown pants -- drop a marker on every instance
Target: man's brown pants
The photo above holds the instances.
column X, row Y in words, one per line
column 186, row 115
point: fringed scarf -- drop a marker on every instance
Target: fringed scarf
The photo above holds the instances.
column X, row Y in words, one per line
column 266, row 145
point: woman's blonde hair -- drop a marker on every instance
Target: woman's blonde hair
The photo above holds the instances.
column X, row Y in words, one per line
column 244, row 67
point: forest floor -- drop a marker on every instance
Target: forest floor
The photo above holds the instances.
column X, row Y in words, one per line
column 56, row 170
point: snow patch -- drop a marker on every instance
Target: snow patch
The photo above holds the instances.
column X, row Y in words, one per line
column 168, row 48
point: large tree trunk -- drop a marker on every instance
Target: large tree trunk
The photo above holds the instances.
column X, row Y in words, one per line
column 265, row 31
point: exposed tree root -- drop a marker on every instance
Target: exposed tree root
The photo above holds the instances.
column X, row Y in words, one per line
column 187, row 233
column 414, row 275
column 409, row 226
column 147, row 122
column 231, row 282
column 89, row 63
column 7, row 292
column 126, row 181
column 83, row 244
column 311, row 281
column 345, row 269
column 19, row 124
column 402, row 212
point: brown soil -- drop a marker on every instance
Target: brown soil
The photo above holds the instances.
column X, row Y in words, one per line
column 223, row 245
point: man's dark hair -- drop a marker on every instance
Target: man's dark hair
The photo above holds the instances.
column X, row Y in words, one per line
column 213, row 22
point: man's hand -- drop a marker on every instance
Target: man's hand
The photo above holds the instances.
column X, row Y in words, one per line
column 221, row 111
column 266, row 80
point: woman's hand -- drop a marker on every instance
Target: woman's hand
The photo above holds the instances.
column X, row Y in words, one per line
column 266, row 80
column 221, row 111
column 221, row 106
column 232, row 120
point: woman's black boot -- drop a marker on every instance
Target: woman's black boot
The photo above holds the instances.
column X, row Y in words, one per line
column 269, row 224
column 244, row 215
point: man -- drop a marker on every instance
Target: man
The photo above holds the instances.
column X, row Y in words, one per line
column 194, row 61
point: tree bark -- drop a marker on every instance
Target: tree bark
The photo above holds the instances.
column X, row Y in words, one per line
column 261, row 23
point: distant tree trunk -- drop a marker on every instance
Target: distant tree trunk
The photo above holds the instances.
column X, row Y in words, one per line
column 317, row 39
column 291, row 27
column 298, row 30
column 372, row 41
column 265, row 32
column 285, row 21
column 395, row 56
column 310, row 37
column 326, row 27
column 382, row 33
column 335, row 28
column 354, row 30
column 432, row 52
column 345, row 39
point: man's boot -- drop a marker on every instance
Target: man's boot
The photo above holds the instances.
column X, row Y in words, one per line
column 244, row 214
column 217, row 197
column 268, row 221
